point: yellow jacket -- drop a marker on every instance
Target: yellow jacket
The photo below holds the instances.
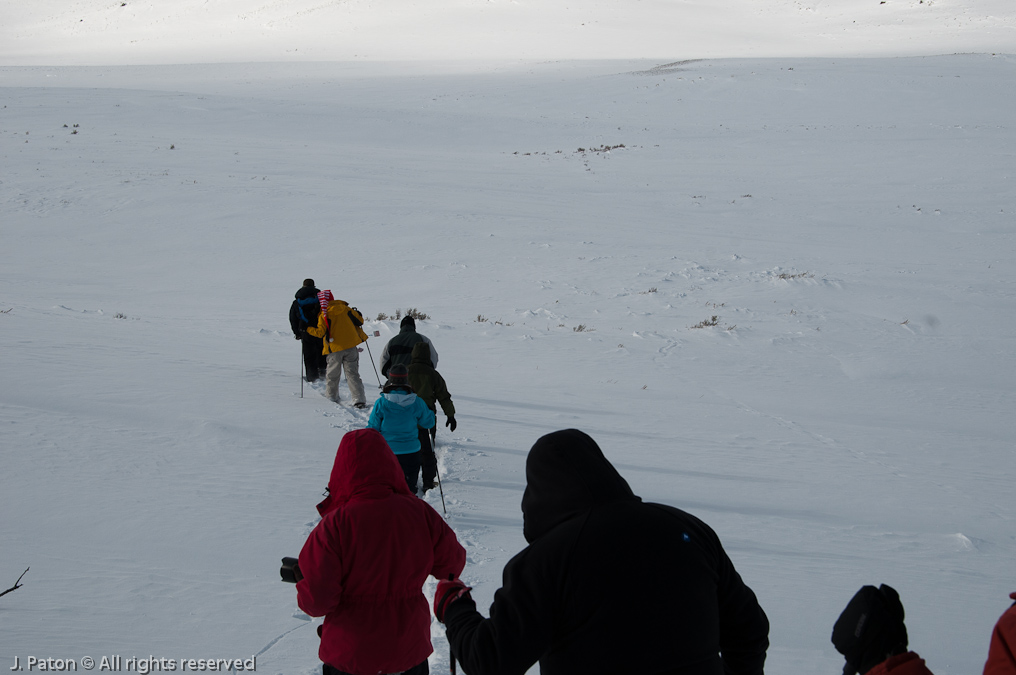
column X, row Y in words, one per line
column 341, row 329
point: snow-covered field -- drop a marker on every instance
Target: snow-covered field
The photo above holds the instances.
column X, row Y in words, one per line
column 571, row 216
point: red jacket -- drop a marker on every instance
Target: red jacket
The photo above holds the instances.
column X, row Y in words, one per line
column 365, row 563
column 1002, row 650
column 902, row 664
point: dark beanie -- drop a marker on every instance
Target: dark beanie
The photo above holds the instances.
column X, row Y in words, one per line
column 408, row 322
column 398, row 374
column 870, row 629
column 308, row 283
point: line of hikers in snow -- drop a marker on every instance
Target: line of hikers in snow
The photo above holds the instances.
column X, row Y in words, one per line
column 405, row 413
column 607, row 583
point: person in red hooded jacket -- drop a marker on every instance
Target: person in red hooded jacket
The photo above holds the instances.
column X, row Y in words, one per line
column 365, row 563
column 1002, row 649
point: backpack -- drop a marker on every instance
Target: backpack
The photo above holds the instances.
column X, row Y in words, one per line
column 352, row 317
column 306, row 302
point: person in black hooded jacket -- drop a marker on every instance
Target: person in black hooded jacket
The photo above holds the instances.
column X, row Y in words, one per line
column 302, row 313
column 608, row 583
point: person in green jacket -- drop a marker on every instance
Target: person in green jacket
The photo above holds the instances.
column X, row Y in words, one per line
column 429, row 386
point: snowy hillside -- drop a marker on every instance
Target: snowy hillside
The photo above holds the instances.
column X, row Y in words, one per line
column 94, row 32
column 780, row 293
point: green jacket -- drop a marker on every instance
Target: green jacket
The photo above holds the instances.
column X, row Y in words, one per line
column 427, row 382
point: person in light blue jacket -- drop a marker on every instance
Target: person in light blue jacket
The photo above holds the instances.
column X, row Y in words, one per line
column 397, row 414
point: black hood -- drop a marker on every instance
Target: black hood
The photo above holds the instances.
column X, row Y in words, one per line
column 305, row 292
column 567, row 475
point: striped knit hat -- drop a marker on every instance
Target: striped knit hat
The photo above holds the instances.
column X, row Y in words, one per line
column 325, row 297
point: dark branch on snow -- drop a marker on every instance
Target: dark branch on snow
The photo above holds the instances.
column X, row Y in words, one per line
column 17, row 584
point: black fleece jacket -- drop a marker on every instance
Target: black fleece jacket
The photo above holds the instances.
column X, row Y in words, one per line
column 609, row 584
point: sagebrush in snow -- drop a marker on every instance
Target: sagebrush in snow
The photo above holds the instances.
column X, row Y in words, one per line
column 708, row 322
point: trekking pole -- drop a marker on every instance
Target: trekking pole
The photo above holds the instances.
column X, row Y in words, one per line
column 437, row 472
column 440, row 489
column 301, row 370
column 379, row 385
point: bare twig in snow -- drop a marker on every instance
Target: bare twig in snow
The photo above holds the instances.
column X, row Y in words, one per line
column 17, row 584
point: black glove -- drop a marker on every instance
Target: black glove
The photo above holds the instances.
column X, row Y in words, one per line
column 298, row 336
column 450, row 423
column 291, row 570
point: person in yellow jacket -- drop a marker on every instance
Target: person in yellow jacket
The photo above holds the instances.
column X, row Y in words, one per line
column 339, row 327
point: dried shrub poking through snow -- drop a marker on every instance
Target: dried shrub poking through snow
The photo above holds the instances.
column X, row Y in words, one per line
column 416, row 314
column 708, row 322
column 412, row 311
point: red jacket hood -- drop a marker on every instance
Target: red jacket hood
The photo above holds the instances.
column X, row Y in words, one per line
column 364, row 465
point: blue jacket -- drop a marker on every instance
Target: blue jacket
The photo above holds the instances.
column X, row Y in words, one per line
column 397, row 415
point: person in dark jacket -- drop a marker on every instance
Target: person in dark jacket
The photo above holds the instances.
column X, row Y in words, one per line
column 302, row 313
column 364, row 565
column 400, row 348
column 605, row 568
column 428, row 384
column 872, row 636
